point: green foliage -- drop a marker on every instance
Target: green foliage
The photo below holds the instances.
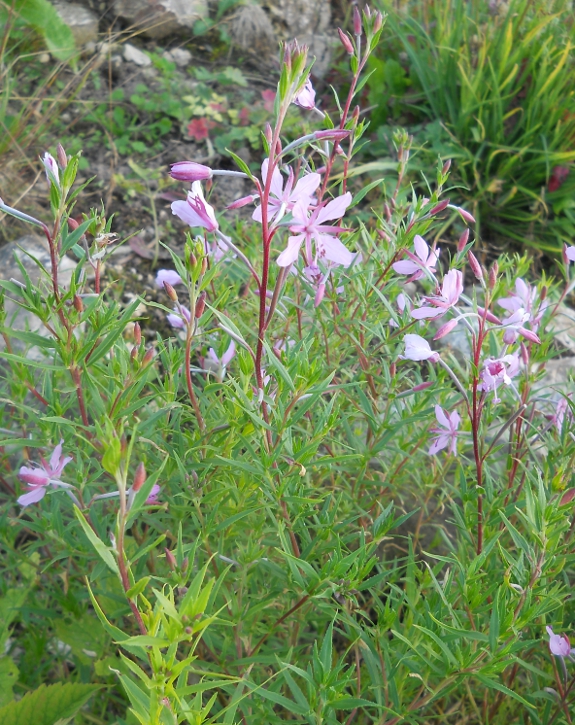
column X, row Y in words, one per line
column 43, row 18
column 47, row 705
column 492, row 84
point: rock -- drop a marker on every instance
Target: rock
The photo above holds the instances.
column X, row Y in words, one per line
column 137, row 56
column 302, row 17
column 180, row 56
column 321, row 47
column 82, row 22
column 252, row 31
column 158, row 18
column 16, row 317
column 562, row 325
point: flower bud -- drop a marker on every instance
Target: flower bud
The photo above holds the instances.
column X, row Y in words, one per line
column 475, row 266
column 190, row 171
column 238, row 203
column 73, row 224
column 137, row 333
column 524, row 354
column 139, row 477
column 345, row 41
column 439, row 207
column 185, row 563
column 171, row 559
column 171, row 292
column 445, row 329
column 204, row 266
column 78, row 304
column 200, row 306
column 148, row 357
column 51, row 169
column 446, row 167
column 378, row 22
column 62, row 158
column 319, row 295
column 357, row 26
column 467, row 217
column 134, row 352
column 423, row 386
column 543, row 293
column 268, row 133
column 493, row 272
column 392, row 369
column 333, row 134
column 463, row 239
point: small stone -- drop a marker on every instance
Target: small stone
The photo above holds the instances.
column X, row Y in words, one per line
column 180, row 56
column 137, row 56
column 321, row 48
column 44, row 57
column 159, row 18
column 82, row 22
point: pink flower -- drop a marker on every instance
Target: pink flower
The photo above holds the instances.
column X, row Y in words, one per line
column 311, row 227
column 498, row 370
column 269, row 99
column 423, row 259
column 562, row 411
column 39, row 478
column 131, row 495
column 559, row 644
column 569, row 253
column 169, row 276
column 190, row 171
column 447, row 431
column 196, row 211
column 218, row 365
column 153, row 495
column 450, row 293
column 306, row 97
column 51, row 168
column 286, row 197
column 514, row 327
column 199, row 128
column 416, row 348
column 180, row 317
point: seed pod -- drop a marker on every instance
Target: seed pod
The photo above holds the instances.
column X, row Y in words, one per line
column 171, row 559
column 78, row 304
column 139, row 477
column 200, row 306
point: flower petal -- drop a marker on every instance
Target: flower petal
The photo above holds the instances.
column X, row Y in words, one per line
column 290, row 253
column 33, row 496
column 335, row 209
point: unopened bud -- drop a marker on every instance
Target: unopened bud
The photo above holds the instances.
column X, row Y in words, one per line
column 204, row 265
column 493, row 272
column 564, row 255
column 148, row 357
column 185, row 563
column 123, row 444
column 445, row 329
column 137, row 333
column 134, row 352
column 333, row 134
column 378, row 22
column 171, row 559
column 319, row 295
column 466, row 216
column 543, row 293
column 355, row 114
column 439, row 207
column 188, row 630
column 61, row 155
column 345, row 41
column 171, row 292
column 475, row 266
column 238, row 203
column 78, row 304
column 524, row 353
column 422, row 386
column 357, row 28
column 446, row 167
column 463, row 239
column 139, row 477
column 200, row 306
column 73, row 224
column 392, row 369
column 268, row 133
column 193, row 259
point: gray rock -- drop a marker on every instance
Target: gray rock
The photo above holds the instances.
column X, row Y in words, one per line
column 180, row 56
column 160, row 18
column 302, row 16
column 82, row 22
column 562, row 325
column 252, row 31
column 27, row 249
column 136, row 56
column 321, row 47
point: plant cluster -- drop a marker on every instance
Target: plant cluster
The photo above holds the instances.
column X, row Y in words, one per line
column 489, row 85
column 231, row 510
